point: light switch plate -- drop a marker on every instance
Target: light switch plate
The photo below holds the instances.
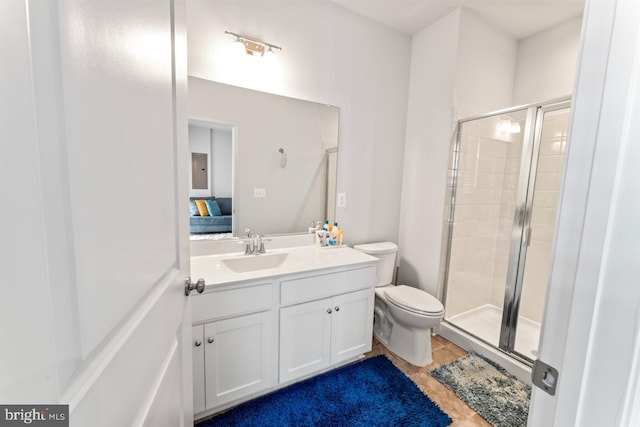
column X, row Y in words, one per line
column 260, row 193
column 342, row 200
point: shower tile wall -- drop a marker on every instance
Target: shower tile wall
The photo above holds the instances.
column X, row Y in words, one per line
column 487, row 180
column 545, row 200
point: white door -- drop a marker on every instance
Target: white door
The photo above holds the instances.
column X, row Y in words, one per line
column 305, row 339
column 237, row 357
column 94, row 210
column 591, row 326
column 352, row 325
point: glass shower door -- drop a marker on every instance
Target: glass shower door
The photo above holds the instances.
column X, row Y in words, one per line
column 550, row 142
column 506, row 179
column 486, row 176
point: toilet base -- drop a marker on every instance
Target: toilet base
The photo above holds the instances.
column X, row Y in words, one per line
column 405, row 333
column 419, row 364
column 412, row 345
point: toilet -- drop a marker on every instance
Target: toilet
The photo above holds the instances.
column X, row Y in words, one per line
column 403, row 315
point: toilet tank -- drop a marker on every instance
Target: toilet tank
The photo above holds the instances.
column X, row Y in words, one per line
column 386, row 252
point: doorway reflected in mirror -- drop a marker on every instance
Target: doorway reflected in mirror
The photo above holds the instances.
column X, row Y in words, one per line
column 211, row 185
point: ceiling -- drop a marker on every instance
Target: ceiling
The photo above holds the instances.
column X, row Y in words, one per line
column 517, row 18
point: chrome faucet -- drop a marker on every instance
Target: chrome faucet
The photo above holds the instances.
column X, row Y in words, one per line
column 258, row 245
column 250, row 242
column 254, row 243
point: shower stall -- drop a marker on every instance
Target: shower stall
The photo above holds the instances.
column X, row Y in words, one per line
column 505, row 179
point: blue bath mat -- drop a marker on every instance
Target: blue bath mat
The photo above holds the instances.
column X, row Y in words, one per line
column 369, row 393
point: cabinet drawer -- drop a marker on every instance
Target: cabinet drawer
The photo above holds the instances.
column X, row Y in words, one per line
column 326, row 285
column 232, row 302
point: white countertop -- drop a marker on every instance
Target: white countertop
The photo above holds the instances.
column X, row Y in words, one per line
column 299, row 260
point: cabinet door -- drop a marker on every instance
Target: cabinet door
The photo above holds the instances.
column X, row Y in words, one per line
column 352, row 325
column 197, row 343
column 237, row 357
column 305, row 335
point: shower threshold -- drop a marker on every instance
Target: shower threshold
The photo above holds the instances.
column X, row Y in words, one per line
column 485, row 321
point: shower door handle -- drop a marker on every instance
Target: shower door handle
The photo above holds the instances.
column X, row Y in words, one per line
column 527, row 237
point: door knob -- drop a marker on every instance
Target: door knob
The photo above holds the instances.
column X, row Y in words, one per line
column 210, row 340
column 337, row 308
column 329, row 310
column 198, row 343
column 190, row 286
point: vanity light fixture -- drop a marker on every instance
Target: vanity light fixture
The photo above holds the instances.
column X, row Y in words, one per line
column 254, row 47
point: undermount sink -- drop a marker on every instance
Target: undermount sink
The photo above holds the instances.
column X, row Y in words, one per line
column 255, row 262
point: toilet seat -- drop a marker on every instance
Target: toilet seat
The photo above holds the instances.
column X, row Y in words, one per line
column 414, row 300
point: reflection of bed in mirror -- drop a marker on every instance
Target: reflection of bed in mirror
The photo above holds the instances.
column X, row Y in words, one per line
column 275, row 156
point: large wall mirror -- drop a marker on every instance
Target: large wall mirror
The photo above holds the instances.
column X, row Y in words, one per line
column 271, row 161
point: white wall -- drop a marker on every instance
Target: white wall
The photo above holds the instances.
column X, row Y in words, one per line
column 429, row 122
column 200, row 142
column 334, row 56
column 485, row 67
column 221, row 162
column 459, row 66
column 546, row 66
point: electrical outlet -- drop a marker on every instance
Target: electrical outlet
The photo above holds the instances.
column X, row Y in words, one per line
column 260, row 193
column 342, row 200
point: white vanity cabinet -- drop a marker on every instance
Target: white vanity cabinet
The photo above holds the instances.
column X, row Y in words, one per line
column 317, row 334
column 255, row 332
column 233, row 356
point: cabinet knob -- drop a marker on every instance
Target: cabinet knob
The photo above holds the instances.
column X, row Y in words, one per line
column 337, row 308
column 210, row 340
column 329, row 310
column 198, row 343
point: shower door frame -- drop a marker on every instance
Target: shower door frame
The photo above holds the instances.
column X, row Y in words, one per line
column 521, row 232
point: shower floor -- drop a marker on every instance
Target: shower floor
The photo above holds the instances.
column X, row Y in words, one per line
column 484, row 322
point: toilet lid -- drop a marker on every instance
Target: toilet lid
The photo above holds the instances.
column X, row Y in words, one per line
column 414, row 299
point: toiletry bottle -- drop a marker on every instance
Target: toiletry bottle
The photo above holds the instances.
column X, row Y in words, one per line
column 335, row 232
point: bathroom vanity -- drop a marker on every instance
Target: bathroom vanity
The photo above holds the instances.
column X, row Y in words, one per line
column 266, row 321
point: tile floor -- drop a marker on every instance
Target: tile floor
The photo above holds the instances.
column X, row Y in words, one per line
column 443, row 352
